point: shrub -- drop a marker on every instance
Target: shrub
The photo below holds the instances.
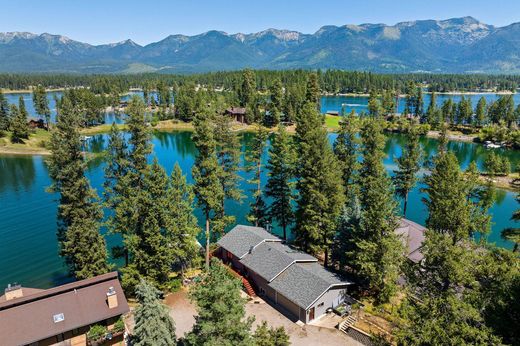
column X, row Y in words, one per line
column 96, row 332
column 174, row 285
column 119, row 326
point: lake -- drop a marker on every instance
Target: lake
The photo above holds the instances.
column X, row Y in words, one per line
column 29, row 251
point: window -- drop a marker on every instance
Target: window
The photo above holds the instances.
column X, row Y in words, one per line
column 58, row 317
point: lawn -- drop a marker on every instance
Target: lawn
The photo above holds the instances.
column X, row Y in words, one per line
column 35, row 144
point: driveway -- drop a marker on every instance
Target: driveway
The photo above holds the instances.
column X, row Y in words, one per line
column 321, row 332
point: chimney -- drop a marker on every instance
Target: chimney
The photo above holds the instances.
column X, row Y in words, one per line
column 111, row 298
column 13, row 292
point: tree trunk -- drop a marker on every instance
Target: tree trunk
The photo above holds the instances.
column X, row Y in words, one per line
column 326, row 260
column 405, row 204
column 207, row 241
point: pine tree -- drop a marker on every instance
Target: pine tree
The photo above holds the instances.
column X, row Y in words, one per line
column 408, row 164
column 388, row 103
column 280, row 183
column 481, row 112
column 276, row 91
column 247, row 90
column 220, row 316
column 228, row 156
column 448, row 207
column 513, row 234
column 374, row 108
column 41, row 104
column 125, row 177
column 206, row 173
column 19, row 128
column 5, row 121
column 377, row 254
column 419, row 103
column 258, row 210
column 313, row 90
column 321, row 192
column 265, row 336
column 183, row 231
column 153, row 324
column 432, row 111
column 346, row 148
column 79, row 213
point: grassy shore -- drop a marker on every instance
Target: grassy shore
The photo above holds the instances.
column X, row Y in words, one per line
column 34, row 145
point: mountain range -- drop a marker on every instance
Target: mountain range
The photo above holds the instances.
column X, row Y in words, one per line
column 458, row 45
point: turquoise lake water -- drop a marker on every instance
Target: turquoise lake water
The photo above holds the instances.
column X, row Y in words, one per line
column 29, row 250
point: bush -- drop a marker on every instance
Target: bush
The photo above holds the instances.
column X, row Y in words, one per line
column 497, row 165
column 174, row 285
column 119, row 326
column 96, row 332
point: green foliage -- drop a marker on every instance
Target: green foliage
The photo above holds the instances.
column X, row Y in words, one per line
column 220, row 316
column 79, row 213
column 19, row 128
column 5, row 121
column 280, row 184
column 96, row 332
column 206, row 173
column 374, row 251
column 497, row 165
column 408, row 164
column 319, row 184
column 265, row 336
column 248, row 88
column 153, row 324
column 41, row 104
column 258, row 209
column 346, row 146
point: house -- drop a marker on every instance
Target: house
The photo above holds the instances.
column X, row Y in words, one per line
column 238, row 113
column 291, row 279
column 36, row 124
column 412, row 236
column 62, row 315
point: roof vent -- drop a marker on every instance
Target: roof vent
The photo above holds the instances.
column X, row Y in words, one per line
column 251, row 249
column 58, row 317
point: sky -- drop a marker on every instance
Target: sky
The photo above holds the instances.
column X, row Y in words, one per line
column 108, row 21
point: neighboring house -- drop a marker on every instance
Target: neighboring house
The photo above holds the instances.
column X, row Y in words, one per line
column 36, row 124
column 238, row 113
column 412, row 235
column 289, row 278
column 62, row 315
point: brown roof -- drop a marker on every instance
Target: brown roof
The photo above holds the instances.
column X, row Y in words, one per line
column 413, row 237
column 236, row 110
column 31, row 318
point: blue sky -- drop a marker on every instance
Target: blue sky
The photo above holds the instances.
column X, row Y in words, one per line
column 105, row 21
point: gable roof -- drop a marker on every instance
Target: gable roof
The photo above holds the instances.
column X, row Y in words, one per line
column 242, row 238
column 413, row 237
column 31, row 318
column 304, row 283
column 271, row 258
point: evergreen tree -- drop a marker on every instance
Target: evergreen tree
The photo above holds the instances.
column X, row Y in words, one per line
column 153, row 324
column 183, row 231
column 41, row 104
column 79, row 213
column 377, row 252
column 280, row 184
column 447, row 111
column 313, row 92
column 388, row 104
column 5, row 121
column 374, row 108
column 258, row 210
column 19, row 128
column 481, row 112
column 419, row 103
column 408, row 164
column 432, row 112
column 206, row 173
column 220, row 316
column 448, row 207
column 513, row 234
column 247, row 91
column 265, row 336
column 228, row 155
column 346, row 148
column 125, row 178
column 319, row 185
column 276, row 91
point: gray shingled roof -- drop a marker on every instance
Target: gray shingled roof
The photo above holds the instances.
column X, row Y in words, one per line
column 412, row 237
column 303, row 283
column 269, row 259
column 242, row 238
